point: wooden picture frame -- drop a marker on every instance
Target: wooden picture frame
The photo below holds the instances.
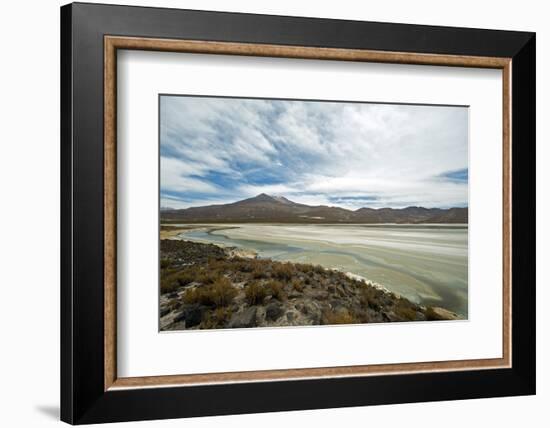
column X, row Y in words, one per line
column 91, row 390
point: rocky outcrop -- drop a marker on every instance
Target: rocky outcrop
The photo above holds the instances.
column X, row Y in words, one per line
column 440, row 314
column 246, row 317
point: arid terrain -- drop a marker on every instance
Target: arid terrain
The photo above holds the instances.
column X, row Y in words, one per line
column 205, row 286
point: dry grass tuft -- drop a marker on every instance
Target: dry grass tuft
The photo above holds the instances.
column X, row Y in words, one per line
column 276, row 290
column 341, row 317
column 255, row 293
column 283, row 271
column 219, row 294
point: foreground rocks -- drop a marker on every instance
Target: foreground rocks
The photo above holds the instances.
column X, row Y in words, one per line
column 204, row 286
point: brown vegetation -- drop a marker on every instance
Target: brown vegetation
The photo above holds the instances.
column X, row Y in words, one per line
column 219, row 293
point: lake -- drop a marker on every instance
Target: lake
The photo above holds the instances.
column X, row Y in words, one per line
column 428, row 264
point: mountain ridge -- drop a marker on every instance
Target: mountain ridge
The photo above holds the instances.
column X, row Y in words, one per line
column 268, row 208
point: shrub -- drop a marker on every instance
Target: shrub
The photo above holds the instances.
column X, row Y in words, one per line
column 172, row 279
column 221, row 293
column 276, row 290
column 341, row 317
column 245, row 266
column 206, row 277
column 175, row 304
column 304, row 267
column 193, row 295
column 169, row 280
column 222, row 314
column 283, row 271
column 186, row 277
column 255, row 293
column 219, row 265
column 216, row 318
column 318, row 269
column 258, row 272
column 168, row 285
column 298, row 285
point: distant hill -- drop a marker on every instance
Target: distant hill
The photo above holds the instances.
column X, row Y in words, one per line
column 266, row 208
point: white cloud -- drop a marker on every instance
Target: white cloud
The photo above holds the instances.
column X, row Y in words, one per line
column 176, row 203
column 314, row 151
column 178, row 176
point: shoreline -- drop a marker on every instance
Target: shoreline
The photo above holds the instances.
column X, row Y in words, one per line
column 354, row 262
column 248, row 253
column 205, row 285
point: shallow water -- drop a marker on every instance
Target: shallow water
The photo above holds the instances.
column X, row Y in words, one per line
column 428, row 264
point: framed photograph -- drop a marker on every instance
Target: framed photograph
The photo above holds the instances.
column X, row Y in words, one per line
column 266, row 213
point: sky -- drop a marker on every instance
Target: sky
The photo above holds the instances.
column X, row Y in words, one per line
column 351, row 155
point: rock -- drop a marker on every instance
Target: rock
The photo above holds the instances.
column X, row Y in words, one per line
column 191, row 314
column 312, row 311
column 167, row 321
column 295, row 318
column 303, row 308
column 439, row 314
column 273, row 311
column 243, row 319
column 260, row 317
column 294, row 294
column 315, row 294
column 420, row 316
column 336, row 304
column 239, row 285
column 175, row 326
column 391, row 316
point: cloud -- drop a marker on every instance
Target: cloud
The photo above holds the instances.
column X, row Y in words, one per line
column 345, row 154
column 180, row 176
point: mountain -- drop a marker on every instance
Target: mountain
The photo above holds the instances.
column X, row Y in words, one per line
column 267, row 208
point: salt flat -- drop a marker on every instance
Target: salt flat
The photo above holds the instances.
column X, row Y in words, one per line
column 428, row 264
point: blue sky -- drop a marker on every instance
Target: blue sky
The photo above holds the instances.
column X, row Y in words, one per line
column 352, row 155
